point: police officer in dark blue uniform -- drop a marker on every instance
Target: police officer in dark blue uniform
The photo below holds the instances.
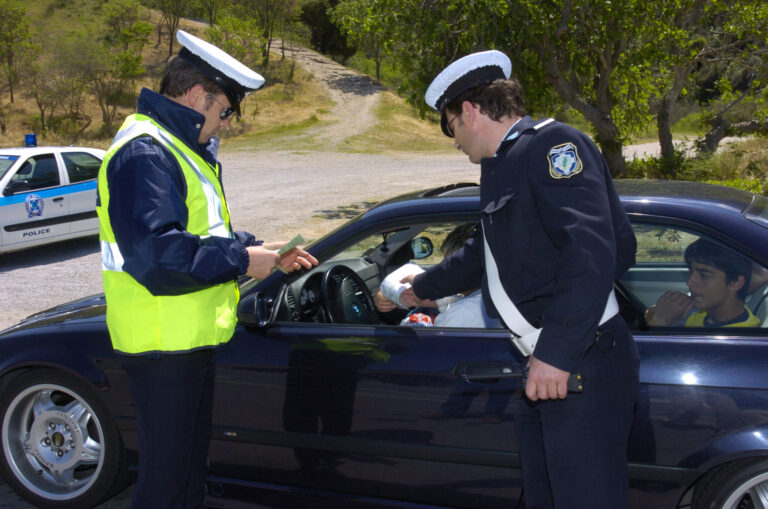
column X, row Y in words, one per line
column 554, row 238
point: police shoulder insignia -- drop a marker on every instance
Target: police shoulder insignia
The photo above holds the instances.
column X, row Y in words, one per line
column 564, row 161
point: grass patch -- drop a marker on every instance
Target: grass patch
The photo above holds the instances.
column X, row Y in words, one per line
column 398, row 129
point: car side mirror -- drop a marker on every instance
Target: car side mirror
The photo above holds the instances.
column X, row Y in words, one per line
column 16, row 186
column 421, row 248
column 255, row 310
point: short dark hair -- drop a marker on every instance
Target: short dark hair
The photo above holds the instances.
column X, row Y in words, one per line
column 456, row 239
column 498, row 99
column 733, row 264
column 180, row 75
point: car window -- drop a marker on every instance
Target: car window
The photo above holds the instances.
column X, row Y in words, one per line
column 686, row 279
column 81, row 166
column 39, row 172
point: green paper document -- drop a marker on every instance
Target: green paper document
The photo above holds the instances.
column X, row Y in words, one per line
column 298, row 239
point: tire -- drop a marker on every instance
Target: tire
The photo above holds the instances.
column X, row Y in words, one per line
column 60, row 447
column 737, row 485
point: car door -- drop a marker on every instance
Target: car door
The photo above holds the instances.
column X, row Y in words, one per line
column 82, row 168
column 35, row 210
column 366, row 410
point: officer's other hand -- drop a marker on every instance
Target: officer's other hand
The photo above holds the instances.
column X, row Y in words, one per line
column 261, row 261
column 545, row 381
column 296, row 258
column 383, row 304
column 670, row 309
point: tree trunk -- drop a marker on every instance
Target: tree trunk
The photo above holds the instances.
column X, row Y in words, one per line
column 712, row 139
column 664, row 126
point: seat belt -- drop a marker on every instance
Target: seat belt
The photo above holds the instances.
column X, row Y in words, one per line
column 524, row 335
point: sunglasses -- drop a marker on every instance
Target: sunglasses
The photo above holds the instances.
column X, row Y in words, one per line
column 227, row 112
column 449, row 125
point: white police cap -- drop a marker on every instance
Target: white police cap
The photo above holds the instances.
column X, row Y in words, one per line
column 234, row 78
column 463, row 74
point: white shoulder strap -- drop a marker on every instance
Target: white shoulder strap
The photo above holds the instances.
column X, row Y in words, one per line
column 524, row 335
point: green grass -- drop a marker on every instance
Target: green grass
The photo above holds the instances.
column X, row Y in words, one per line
column 399, row 128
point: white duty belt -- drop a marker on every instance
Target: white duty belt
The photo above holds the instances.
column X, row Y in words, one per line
column 524, row 335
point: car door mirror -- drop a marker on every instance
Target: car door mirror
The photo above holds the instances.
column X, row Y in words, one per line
column 421, row 247
column 255, row 310
column 16, row 186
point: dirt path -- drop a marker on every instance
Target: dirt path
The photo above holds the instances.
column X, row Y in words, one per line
column 355, row 95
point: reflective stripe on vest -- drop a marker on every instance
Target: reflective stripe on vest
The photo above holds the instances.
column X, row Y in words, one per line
column 138, row 321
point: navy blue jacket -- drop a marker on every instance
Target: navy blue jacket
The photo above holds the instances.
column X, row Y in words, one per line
column 149, row 217
column 559, row 243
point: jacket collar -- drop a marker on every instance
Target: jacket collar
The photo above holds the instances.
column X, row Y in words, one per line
column 185, row 123
column 514, row 132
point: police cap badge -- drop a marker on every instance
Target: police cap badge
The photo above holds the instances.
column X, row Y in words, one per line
column 234, row 78
column 463, row 74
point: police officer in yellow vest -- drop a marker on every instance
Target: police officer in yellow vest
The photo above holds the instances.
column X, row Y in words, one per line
column 170, row 262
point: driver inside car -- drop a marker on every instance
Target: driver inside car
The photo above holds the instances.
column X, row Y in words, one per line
column 462, row 310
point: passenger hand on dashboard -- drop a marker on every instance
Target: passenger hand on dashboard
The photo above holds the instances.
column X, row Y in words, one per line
column 671, row 308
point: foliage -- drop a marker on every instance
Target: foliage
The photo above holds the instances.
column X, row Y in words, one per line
column 16, row 48
column 365, row 27
column 325, row 35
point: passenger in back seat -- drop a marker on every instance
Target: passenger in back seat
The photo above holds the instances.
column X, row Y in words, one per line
column 719, row 281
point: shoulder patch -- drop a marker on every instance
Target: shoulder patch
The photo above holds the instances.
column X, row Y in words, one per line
column 564, row 161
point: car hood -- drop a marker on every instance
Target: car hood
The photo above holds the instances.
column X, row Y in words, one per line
column 93, row 306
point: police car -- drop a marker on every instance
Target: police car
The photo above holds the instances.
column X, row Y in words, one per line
column 48, row 195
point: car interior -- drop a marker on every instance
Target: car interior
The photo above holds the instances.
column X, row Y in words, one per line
column 340, row 289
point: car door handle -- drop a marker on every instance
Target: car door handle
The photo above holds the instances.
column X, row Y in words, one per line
column 58, row 198
column 492, row 370
column 486, row 370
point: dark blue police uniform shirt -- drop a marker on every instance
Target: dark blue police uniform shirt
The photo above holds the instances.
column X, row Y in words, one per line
column 149, row 215
column 559, row 239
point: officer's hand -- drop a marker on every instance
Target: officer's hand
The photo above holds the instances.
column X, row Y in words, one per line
column 296, row 258
column 545, row 381
column 671, row 308
column 383, row 304
column 261, row 261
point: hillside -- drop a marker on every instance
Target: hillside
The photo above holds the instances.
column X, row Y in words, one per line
column 316, row 105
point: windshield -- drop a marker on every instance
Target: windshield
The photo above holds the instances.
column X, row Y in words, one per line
column 5, row 163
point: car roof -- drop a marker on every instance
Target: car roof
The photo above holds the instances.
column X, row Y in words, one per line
column 28, row 151
column 723, row 211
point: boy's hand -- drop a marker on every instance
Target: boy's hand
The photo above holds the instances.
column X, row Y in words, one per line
column 671, row 308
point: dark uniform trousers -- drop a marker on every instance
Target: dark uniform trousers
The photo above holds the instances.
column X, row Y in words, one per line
column 574, row 451
column 174, row 406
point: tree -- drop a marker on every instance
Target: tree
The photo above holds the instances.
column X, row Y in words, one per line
column 325, row 36
column 15, row 41
column 366, row 27
column 212, row 9
column 269, row 15
column 171, row 12
column 739, row 101
column 589, row 55
column 43, row 88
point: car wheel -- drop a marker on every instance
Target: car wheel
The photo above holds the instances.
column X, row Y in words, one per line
column 737, row 485
column 60, row 447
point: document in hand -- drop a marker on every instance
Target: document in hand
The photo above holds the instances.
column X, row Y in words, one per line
column 392, row 288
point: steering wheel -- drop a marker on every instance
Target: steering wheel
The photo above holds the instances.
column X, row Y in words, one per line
column 346, row 297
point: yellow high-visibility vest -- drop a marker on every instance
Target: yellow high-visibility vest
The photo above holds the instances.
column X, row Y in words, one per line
column 138, row 321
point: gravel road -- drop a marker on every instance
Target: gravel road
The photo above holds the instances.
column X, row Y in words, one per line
column 272, row 195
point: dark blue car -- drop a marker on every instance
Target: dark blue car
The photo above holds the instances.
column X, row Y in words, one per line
column 323, row 401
